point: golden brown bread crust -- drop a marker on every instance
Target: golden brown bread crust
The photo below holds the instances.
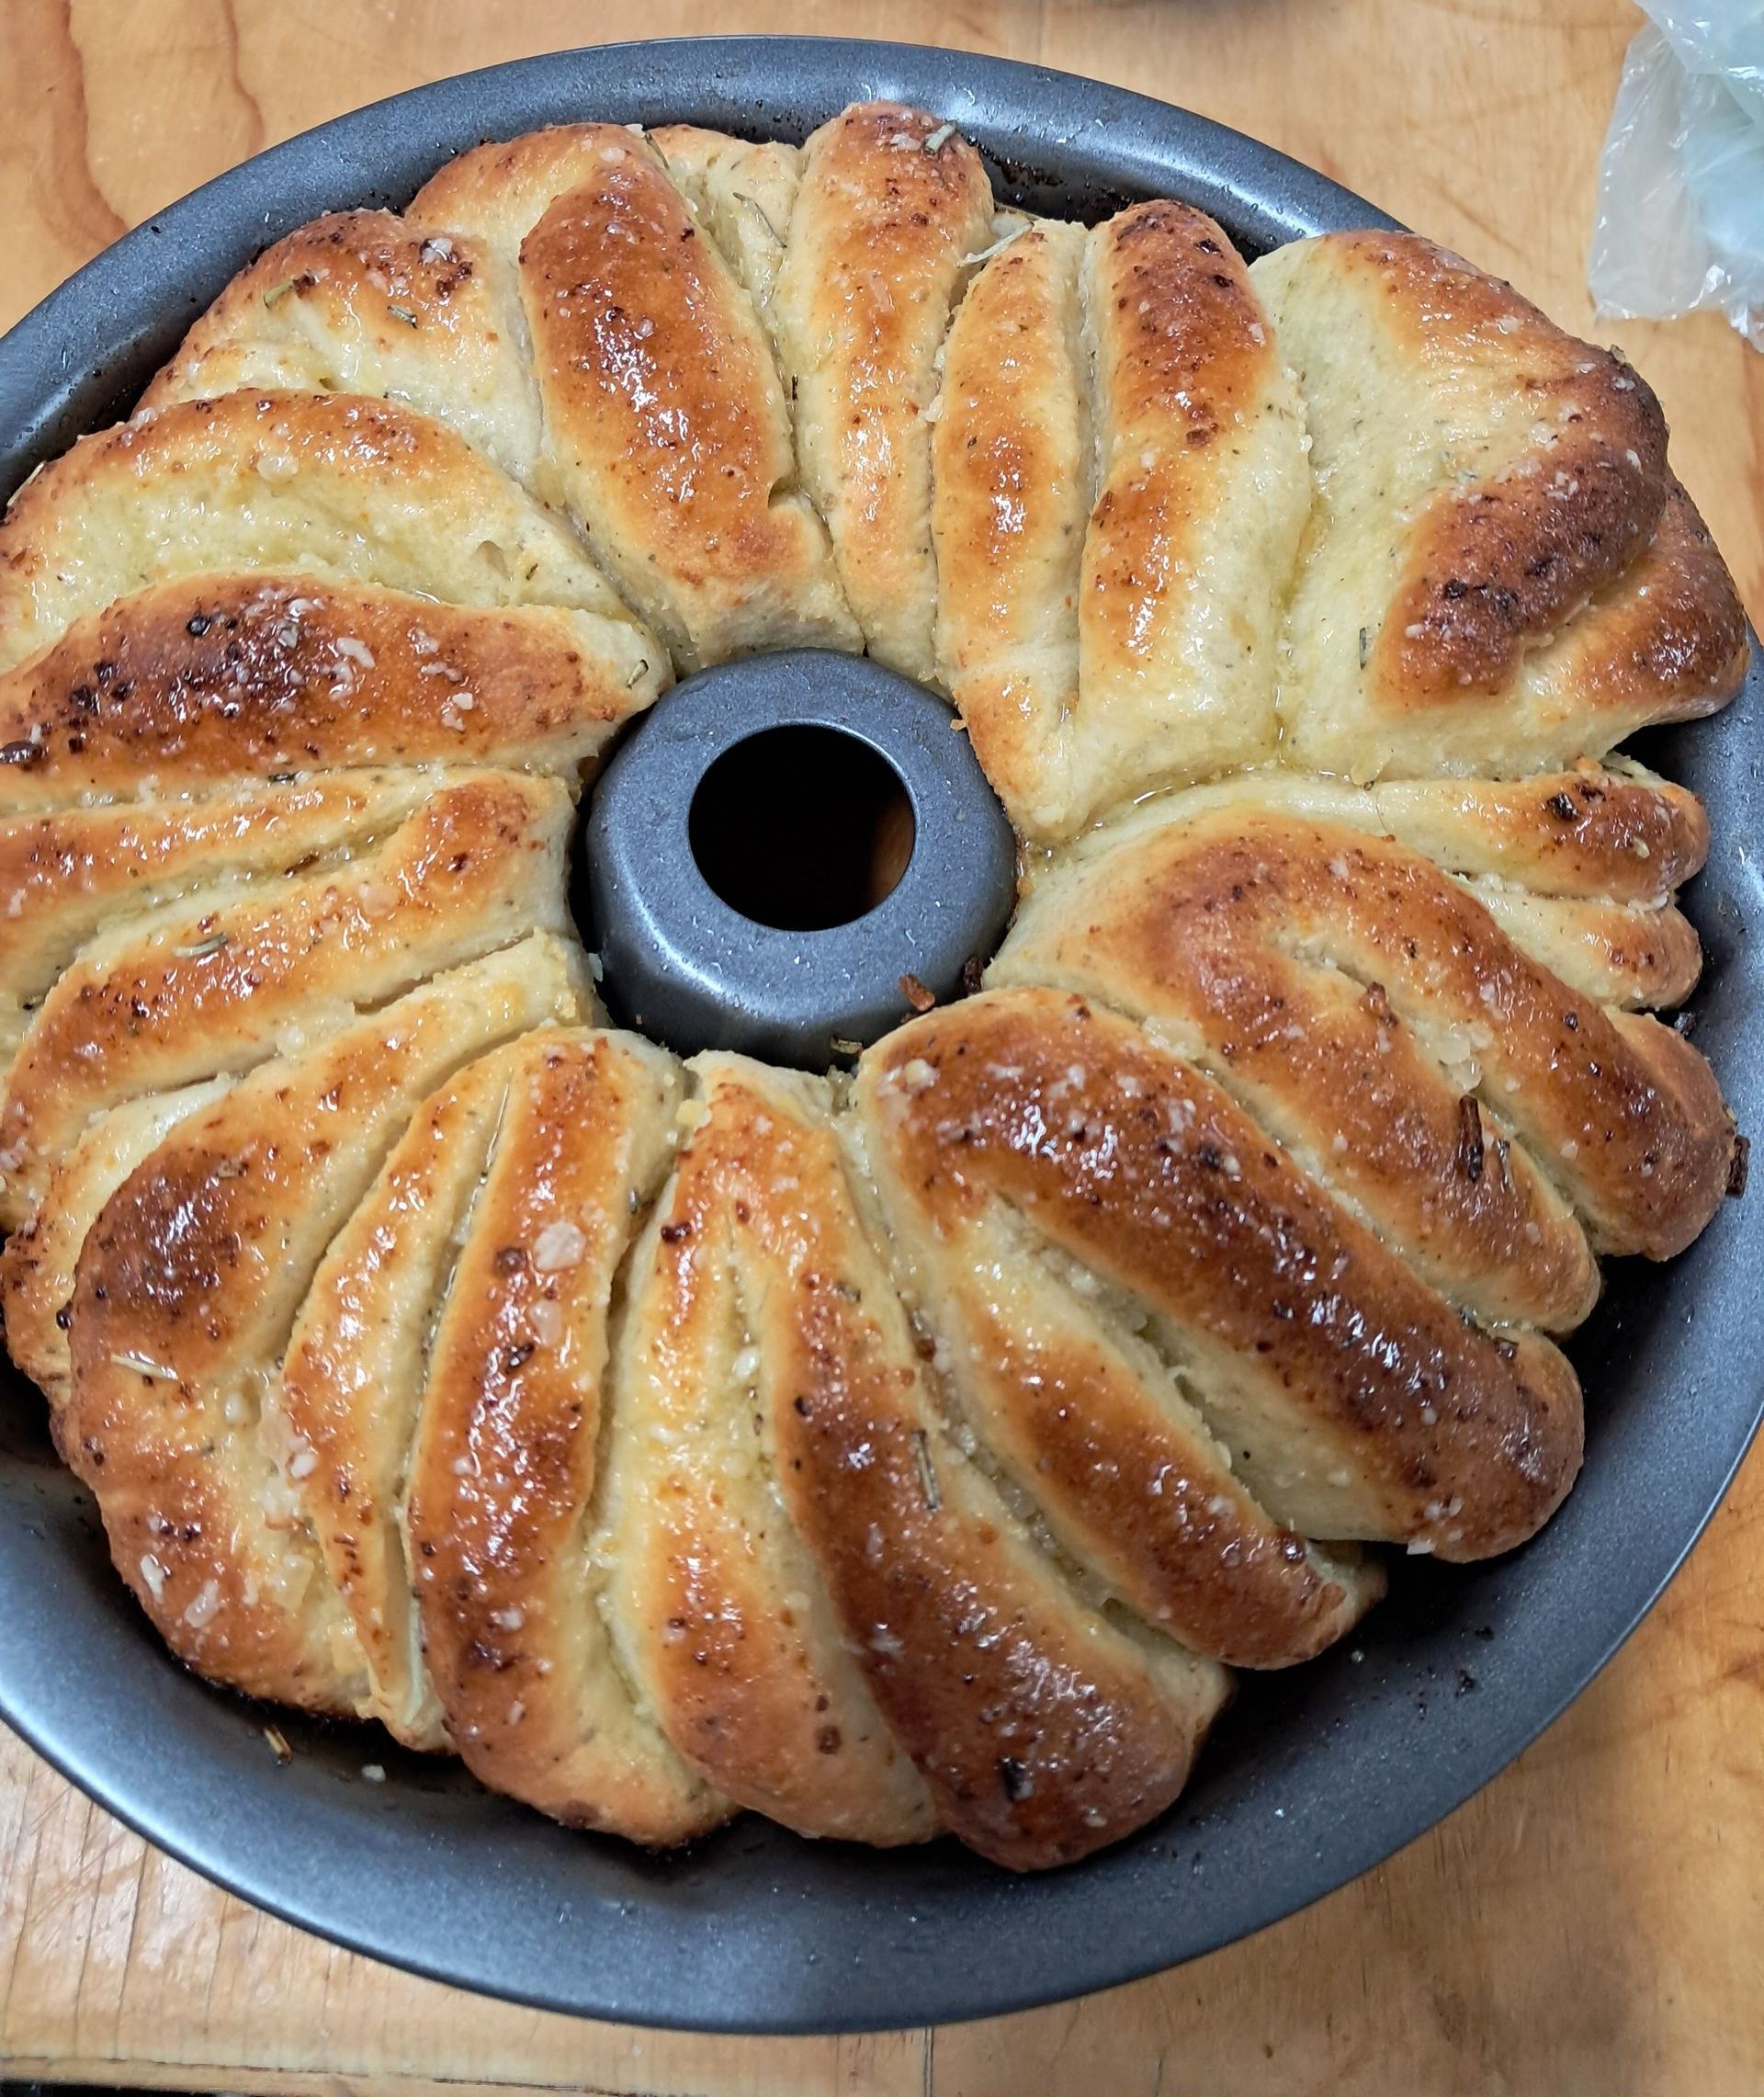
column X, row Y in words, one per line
column 216, row 983
column 1620, row 835
column 667, row 430
column 1082, row 1414
column 1505, row 548
column 1357, row 998
column 228, row 1587
column 911, row 1452
column 1353, row 1401
column 354, row 1381
column 509, row 1581
column 185, row 1294
column 1042, row 1732
column 328, row 483
column 1120, row 494
column 883, row 226
column 37, row 1262
column 75, row 869
column 226, row 677
column 1630, row 955
column 729, row 1631
column 1041, row 1729
column 1501, row 572
column 1012, row 492
column 496, row 193
column 667, row 418
column 1493, row 568
column 1200, row 496
column 1578, row 869
column 1667, row 643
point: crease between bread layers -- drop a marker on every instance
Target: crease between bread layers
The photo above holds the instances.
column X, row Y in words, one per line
column 908, row 1450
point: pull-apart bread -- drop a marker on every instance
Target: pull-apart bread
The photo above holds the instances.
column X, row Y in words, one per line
column 889, row 1452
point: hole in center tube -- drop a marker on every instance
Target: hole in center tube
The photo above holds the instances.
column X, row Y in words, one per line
column 801, row 828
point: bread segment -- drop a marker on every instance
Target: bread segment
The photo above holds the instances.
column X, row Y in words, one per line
column 1352, row 1401
column 891, row 208
column 518, row 1599
column 326, row 483
column 666, row 427
column 64, row 876
column 1615, row 833
column 36, row 1267
column 362, row 302
column 1502, row 573
column 1013, row 467
column 1202, row 496
column 1120, row 491
column 725, row 1622
column 1631, row 955
column 357, row 1365
column 221, row 677
column 743, row 193
column 1578, row 869
column 186, row 1291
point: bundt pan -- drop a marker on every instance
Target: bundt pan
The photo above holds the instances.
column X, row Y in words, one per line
column 1292, row 896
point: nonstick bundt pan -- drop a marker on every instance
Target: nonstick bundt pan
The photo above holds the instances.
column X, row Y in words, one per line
column 1315, row 1773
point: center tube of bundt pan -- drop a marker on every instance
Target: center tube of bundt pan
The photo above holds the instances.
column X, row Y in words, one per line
column 788, row 855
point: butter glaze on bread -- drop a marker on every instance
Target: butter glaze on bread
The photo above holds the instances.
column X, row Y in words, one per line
column 1121, row 490
column 1348, row 1398
column 248, row 676
column 912, row 1449
column 667, row 429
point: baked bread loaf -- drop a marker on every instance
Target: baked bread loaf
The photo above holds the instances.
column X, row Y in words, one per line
column 903, row 1449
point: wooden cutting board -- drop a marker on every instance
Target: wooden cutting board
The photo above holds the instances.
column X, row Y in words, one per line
column 1594, row 1921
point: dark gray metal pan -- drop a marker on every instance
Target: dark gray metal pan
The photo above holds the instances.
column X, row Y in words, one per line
column 1314, row 1775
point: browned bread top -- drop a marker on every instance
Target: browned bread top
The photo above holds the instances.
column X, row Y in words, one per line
column 1349, row 979
column 732, row 1635
column 252, row 677
column 1501, row 571
column 183, row 1299
column 1350, row 1399
column 1201, row 494
column 1533, row 526
column 517, row 1605
column 329, row 484
column 666, row 426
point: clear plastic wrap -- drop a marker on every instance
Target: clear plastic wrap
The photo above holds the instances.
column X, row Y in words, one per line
column 1681, row 216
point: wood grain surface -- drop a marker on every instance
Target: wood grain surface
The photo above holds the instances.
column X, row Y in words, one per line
column 1594, row 1922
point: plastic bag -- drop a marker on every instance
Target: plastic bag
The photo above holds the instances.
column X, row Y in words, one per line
column 1680, row 218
